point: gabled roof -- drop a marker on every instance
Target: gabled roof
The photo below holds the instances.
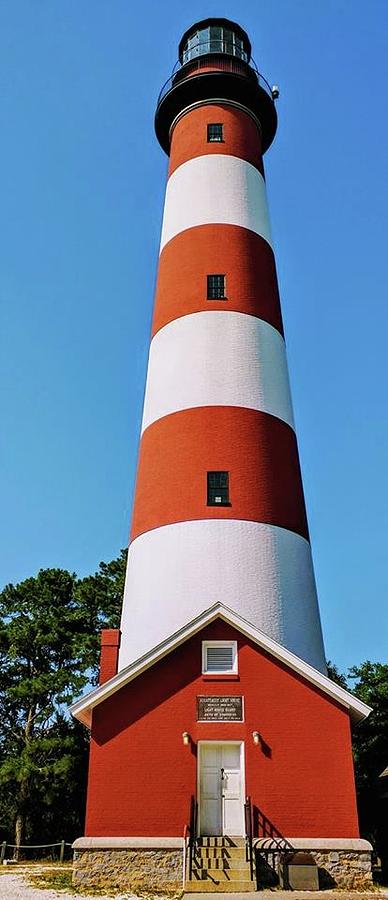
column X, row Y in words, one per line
column 82, row 708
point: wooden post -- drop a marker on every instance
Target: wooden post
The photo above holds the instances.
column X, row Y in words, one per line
column 2, row 852
column 62, row 852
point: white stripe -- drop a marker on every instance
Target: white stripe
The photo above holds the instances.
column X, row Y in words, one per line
column 215, row 189
column 262, row 572
column 217, row 359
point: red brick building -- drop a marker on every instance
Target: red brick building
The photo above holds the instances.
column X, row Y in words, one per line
column 300, row 784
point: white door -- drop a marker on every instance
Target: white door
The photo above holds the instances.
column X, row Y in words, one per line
column 221, row 789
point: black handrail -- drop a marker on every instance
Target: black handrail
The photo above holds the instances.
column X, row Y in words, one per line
column 214, row 45
column 192, row 833
column 249, row 833
column 178, row 73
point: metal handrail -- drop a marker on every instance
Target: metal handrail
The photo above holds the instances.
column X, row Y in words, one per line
column 221, row 43
column 198, row 63
column 249, row 833
column 190, row 836
column 184, row 854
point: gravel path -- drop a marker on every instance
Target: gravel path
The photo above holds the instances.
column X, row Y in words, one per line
column 15, row 887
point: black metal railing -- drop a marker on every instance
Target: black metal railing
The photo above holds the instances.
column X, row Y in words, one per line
column 249, row 834
column 222, row 62
column 214, row 45
column 191, row 831
column 270, row 847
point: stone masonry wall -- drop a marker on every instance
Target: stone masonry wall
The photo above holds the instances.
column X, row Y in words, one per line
column 345, row 869
column 160, row 870
column 137, row 870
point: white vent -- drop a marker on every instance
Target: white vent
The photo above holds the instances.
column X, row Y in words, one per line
column 219, row 656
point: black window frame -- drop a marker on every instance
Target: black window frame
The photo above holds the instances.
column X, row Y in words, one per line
column 216, row 286
column 218, row 487
column 216, row 137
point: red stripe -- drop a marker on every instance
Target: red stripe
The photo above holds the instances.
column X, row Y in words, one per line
column 241, row 136
column 244, row 257
column 258, row 450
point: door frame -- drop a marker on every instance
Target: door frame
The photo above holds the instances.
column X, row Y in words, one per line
column 200, row 746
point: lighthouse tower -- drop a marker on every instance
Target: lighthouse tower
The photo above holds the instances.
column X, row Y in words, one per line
column 219, row 512
column 216, row 736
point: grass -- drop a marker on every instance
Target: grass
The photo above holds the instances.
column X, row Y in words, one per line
column 61, row 881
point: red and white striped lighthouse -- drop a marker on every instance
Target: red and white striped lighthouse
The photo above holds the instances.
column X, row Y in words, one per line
column 215, row 728
column 219, row 513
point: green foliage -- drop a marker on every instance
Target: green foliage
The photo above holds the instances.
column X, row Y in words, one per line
column 336, row 675
column 99, row 596
column 370, row 750
column 370, row 745
column 49, row 650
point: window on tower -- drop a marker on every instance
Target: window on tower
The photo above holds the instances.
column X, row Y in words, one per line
column 215, row 133
column 218, row 489
column 216, row 287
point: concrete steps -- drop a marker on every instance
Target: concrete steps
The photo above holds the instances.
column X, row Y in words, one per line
column 221, row 887
column 220, row 865
column 221, row 842
column 224, row 863
column 220, row 853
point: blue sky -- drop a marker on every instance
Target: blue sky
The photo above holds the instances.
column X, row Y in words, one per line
column 81, row 202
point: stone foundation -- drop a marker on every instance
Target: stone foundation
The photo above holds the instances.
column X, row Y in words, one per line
column 135, row 864
column 343, row 869
column 344, row 864
column 156, row 864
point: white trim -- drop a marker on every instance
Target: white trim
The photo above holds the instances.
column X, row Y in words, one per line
column 305, row 843
column 83, row 707
column 358, row 845
column 130, row 843
column 205, row 647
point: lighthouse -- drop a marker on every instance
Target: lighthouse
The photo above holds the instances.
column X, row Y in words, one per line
column 219, row 512
column 214, row 724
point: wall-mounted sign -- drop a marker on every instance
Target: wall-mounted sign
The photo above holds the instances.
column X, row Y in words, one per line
column 219, row 709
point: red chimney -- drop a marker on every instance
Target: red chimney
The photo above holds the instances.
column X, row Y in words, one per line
column 110, row 643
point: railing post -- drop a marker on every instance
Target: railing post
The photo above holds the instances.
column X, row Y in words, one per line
column 62, row 852
column 249, row 833
column 2, row 852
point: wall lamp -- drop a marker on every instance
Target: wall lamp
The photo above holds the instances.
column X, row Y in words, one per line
column 256, row 737
column 186, row 738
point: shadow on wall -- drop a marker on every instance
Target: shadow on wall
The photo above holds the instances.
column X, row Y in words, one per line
column 268, row 857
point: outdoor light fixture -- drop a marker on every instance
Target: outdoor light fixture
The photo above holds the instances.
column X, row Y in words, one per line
column 256, row 737
column 186, row 738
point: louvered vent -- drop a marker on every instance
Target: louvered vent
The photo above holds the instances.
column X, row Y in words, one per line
column 219, row 659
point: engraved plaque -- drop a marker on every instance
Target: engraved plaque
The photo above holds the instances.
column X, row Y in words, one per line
column 219, row 709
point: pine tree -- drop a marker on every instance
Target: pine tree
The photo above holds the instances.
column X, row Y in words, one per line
column 49, row 649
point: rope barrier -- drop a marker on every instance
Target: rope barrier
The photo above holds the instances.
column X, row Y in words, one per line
column 4, row 846
column 36, row 846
